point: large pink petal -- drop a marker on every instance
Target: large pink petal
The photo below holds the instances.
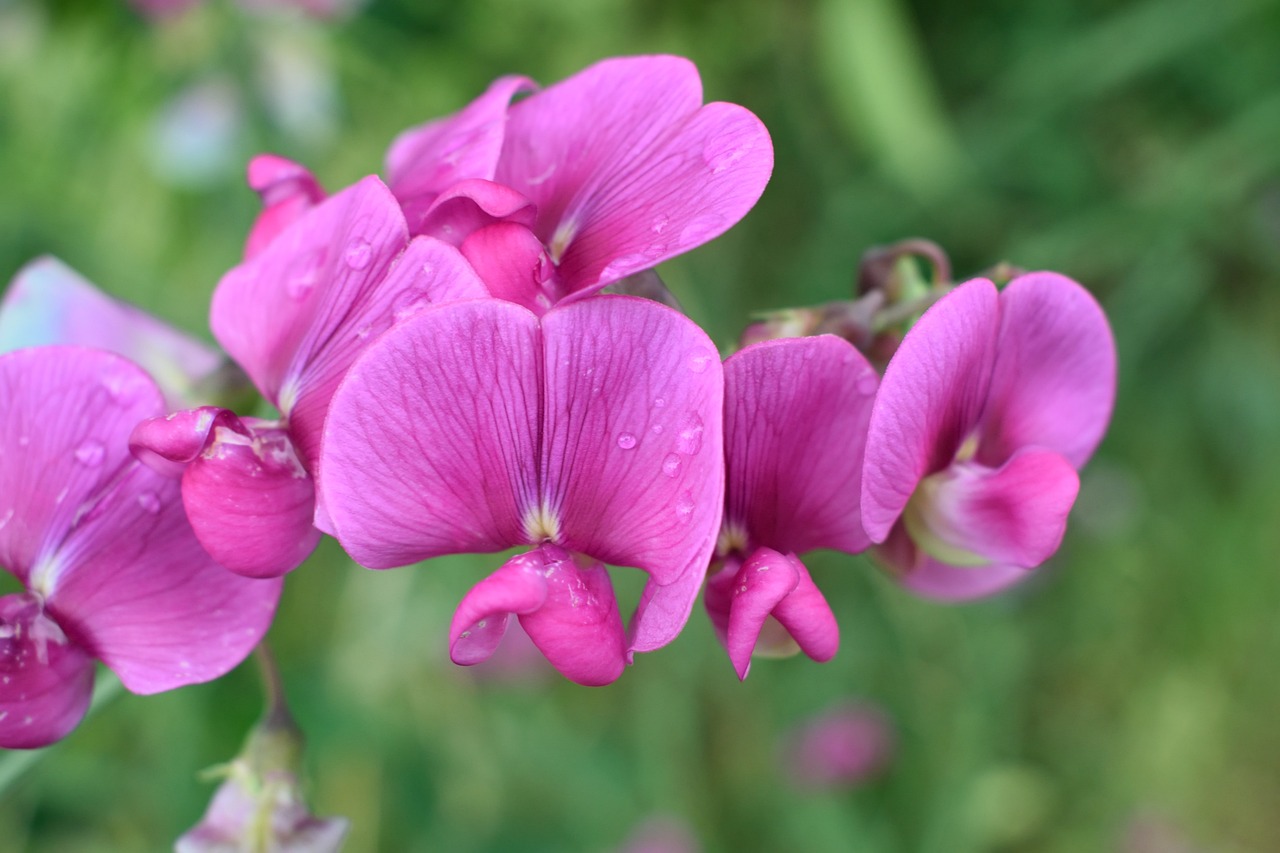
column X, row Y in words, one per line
column 932, row 578
column 1055, row 372
column 133, row 586
column 276, row 311
column 65, row 418
column 633, row 459
column 796, row 415
column 50, row 303
column 288, row 190
column 425, row 160
column 514, row 265
column 47, row 680
column 430, row 445
column 468, row 206
column 930, row 400
column 627, row 167
column 1015, row 514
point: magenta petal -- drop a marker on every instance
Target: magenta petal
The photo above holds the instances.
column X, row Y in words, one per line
column 251, row 502
column 807, row 616
column 430, row 445
column 633, row 447
column 427, row 159
column 514, row 265
column 288, row 190
column 796, row 416
column 65, row 418
column 168, row 444
column 47, row 680
column 930, row 400
column 578, row 627
column 932, row 578
column 134, row 587
column 663, row 611
column 481, row 619
column 1054, row 380
column 50, row 303
column 1014, row 515
column 469, row 206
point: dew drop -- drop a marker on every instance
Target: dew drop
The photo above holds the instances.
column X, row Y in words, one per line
column 685, row 506
column 689, row 441
column 626, row 441
column 300, row 286
column 660, row 403
column 358, row 255
column 90, row 454
column 363, row 332
column 656, row 429
column 149, row 502
column 721, row 158
column 699, row 361
column 660, row 224
column 671, row 465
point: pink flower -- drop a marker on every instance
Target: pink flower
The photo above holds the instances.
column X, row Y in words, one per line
column 796, row 413
column 839, row 748
column 110, row 567
column 294, row 316
column 49, row 303
column 986, row 412
column 589, row 435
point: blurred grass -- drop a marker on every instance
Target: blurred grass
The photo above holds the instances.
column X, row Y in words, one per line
column 1132, row 145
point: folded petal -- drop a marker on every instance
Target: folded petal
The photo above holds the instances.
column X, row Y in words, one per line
column 425, row 160
column 633, row 453
column 796, row 416
column 513, row 265
column 46, row 681
column 65, row 418
column 430, row 444
column 578, row 627
column 288, row 190
column 50, row 303
column 168, row 444
column 1054, row 380
column 627, row 168
column 929, row 401
column 468, row 206
column 932, row 578
column 134, row 588
column 663, row 610
column 481, row 619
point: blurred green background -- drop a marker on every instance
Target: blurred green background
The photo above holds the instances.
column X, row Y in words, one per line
column 1126, row 698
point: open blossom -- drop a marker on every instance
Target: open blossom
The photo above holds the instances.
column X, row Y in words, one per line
column 294, row 316
column 580, row 185
column 796, row 413
column 986, row 412
column 109, row 565
column 49, row 303
column 589, row 435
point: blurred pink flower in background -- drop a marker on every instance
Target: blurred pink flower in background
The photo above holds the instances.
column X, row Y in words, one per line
column 839, row 748
column 661, row 834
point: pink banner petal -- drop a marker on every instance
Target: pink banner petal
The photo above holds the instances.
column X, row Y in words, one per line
column 430, row 445
column 930, row 400
column 633, row 453
column 796, row 417
column 288, row 190
column 1055, row 372
column 46, row 681
column 50, row 303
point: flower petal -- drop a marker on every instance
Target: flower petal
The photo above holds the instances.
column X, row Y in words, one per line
column 170, row 443
column 425, row 160
column 65, row 417
column 134, row 587
column 468, row 206
column 932, row 578
column 430, row 444
column 663, row 611
column 513, row 265
column 796, row 416
column 45, row 680
column 1014, row 515
column 930, row 400
column 627, row 168
column 1054, row 380
column 633, row 459
column 50, row 303
column 481, row 619
column 288, row 190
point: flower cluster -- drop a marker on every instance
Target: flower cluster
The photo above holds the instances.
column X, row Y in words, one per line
column 449, row 377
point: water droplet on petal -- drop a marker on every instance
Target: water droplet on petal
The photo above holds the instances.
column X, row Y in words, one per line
column 363, row 332
column 660, row 403
column 698, row 362
column 149, row 502
column 90, row 454
column 660, row 223
column 626, row 441
column 656, row 429
column 702, row 229
column 685, row 506
column 671, row 465
column 721, row 157
column 358, row 255
column 689, row 441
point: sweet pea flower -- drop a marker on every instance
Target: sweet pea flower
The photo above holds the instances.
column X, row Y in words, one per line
column 110, row 568
column 294, row 316
column 49, row 303
column 796, row 413
column 587, row 436
column 988, row 409
column 839, row 748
